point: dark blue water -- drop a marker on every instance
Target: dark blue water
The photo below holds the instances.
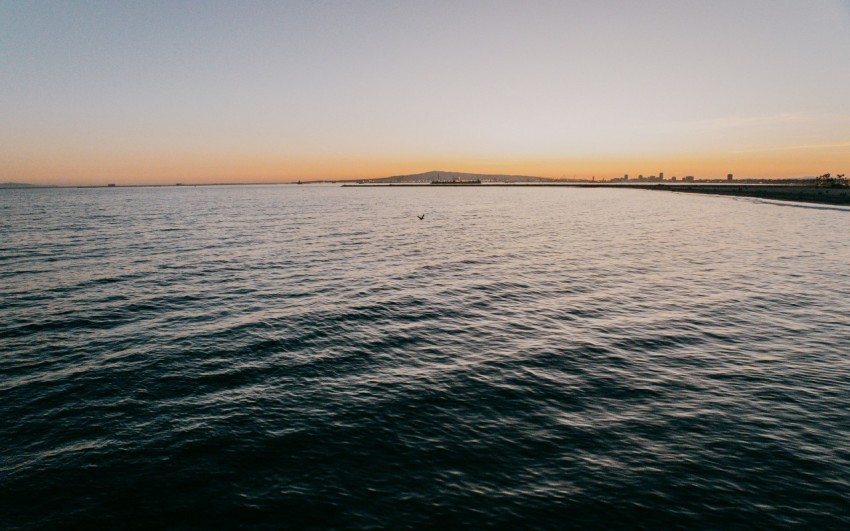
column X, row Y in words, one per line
column 312, row 356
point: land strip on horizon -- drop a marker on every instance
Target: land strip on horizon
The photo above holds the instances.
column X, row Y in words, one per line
column 780, row 192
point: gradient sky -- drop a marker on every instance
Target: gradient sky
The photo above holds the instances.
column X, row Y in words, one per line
column 159, row 92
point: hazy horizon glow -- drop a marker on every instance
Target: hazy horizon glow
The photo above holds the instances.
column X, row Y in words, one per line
column 162, row 92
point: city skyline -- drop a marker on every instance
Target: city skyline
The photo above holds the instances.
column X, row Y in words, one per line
column 269, row 92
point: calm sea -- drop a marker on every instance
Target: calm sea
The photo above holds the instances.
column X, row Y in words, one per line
column 316, row 356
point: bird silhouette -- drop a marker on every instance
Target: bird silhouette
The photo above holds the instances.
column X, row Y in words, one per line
column 421, row 217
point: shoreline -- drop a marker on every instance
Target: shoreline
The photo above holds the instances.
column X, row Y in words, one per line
column 780, row 192
column 803, row 194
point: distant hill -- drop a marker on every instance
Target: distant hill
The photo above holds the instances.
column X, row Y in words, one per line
column 437, row 175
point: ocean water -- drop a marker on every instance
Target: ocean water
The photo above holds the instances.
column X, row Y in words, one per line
column 316, row 356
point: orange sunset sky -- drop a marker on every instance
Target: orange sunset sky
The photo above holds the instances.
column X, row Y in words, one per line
column 161, row 92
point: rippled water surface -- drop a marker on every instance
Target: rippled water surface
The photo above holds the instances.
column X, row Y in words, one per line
column 298, row 356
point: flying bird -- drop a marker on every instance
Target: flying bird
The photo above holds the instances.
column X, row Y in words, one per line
column 421, row 217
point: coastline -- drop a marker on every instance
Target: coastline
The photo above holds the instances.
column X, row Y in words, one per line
column 804, row 194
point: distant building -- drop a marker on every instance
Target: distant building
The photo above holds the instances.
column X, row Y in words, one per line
column 729, row 177
column 661, row 176
column 688, row 179
column 673, row 178
column 626, row 177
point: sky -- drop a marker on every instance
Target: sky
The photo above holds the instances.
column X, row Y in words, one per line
column 195, row 92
